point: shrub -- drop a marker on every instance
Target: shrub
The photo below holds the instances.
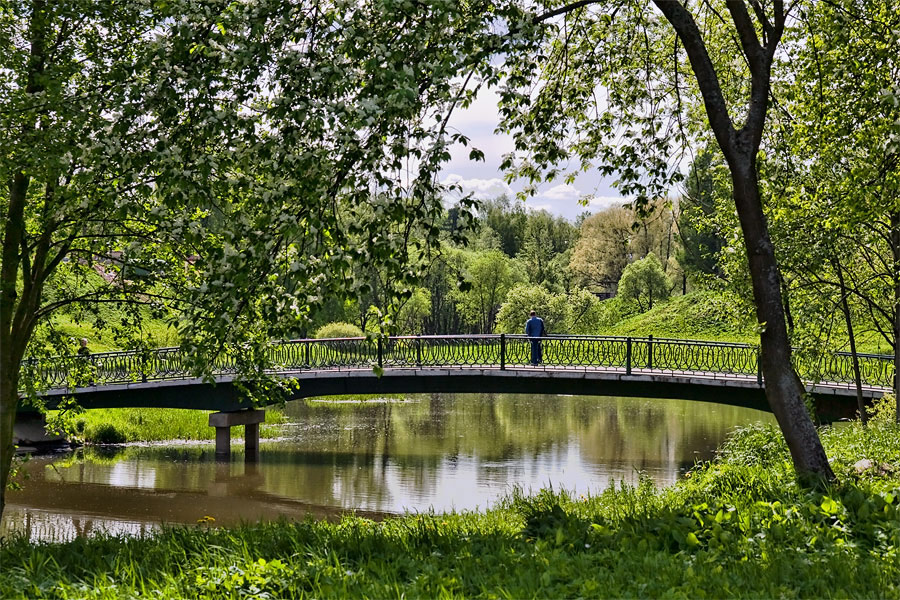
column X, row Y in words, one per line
column 104, row 433
column 613, row 311
column 338, row 330
column 754, row 445
column 884, row 410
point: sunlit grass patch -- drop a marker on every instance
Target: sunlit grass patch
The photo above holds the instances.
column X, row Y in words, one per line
column 121, row 425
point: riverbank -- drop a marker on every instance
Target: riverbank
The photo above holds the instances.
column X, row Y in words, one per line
column 126, row 425
column 737, row 526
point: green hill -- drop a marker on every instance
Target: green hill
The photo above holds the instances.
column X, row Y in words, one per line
column 698, row 315
column 706, row 315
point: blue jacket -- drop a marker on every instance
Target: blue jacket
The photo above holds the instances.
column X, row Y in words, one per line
column 534, row 327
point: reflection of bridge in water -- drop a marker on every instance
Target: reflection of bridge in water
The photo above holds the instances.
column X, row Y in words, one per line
column 726, row 373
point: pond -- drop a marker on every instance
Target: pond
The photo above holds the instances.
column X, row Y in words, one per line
column 375, row 457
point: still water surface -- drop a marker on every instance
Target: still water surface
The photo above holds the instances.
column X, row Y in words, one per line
column 387, row 456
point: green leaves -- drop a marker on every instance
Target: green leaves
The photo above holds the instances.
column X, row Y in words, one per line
column 581, row 86
column 644, row 281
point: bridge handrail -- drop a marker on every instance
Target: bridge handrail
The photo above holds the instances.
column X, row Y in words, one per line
column 638, row 354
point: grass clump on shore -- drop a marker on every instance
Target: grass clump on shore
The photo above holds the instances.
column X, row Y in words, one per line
column 122, row 425
column 738, row 526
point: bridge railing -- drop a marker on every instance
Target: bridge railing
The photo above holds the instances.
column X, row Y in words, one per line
column 631, row 354
column 876, row 370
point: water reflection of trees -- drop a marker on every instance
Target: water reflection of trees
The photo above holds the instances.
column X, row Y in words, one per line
column 434, row 432
column 384, row 455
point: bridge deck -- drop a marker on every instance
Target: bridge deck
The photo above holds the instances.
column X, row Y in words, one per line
column 834, row 400
column 708, row 371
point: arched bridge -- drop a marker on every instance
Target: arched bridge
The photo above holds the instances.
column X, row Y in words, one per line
column 726, row 373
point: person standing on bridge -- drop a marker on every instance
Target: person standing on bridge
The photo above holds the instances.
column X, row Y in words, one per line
column 534, row 328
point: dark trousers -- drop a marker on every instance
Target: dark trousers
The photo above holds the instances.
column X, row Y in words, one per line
column 536, row 352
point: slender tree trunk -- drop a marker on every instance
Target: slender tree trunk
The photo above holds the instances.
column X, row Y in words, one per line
column 16, row 312
column 11, row 337
column 8, row 401
column 845, row 308
column 895, row 250
column 784, row 389
column 785, row 293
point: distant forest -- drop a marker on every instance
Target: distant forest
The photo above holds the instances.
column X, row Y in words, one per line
column 517, row 259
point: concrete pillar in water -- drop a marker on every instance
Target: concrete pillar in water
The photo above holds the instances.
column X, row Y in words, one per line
column 251, row 440
column 224, row 421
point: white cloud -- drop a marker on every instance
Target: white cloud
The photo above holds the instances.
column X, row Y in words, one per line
column 562, row 192
column 481, row 189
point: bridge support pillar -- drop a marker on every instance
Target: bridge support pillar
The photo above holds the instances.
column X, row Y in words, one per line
column 224, row 421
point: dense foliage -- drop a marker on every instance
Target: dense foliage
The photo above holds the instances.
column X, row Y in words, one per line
column 225, row 166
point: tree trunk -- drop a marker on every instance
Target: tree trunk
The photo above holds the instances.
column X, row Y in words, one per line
column 845, row 308
column 16, row 322
column 785, row 293
column 784, row 390
column 8, row 401
column 895, row 250
column 11, row 345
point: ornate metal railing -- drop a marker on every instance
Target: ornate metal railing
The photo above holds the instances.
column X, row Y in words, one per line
column 632, row 355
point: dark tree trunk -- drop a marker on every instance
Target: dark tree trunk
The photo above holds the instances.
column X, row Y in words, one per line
column 18, row 307
column 11, row 333
column 895, row 249
column 848, row 320
column 785, row 293
column 784, row 390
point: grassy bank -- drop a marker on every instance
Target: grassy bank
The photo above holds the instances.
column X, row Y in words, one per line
column 696, row 316
column 738, row 526
column 711, row 316
column 122, row 425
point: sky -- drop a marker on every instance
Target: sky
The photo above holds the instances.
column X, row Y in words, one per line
column 485, row 180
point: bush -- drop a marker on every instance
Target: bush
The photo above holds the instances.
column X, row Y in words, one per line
column 104, row 433
column 754, row 445
column 338, row 330
column 884, row 410
column 522, row 299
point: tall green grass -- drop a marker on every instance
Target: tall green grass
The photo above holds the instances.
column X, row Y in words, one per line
column 739, row 526
column 120, row 425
